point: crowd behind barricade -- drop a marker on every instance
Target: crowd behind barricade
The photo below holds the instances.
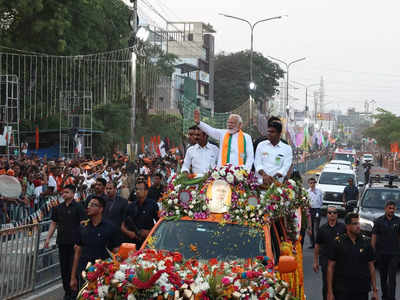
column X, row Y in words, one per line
column 96, row 204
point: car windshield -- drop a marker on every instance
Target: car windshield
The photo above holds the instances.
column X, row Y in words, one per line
column 335, row 178
column 344, row 156
column 205, row 240
column 377, row 198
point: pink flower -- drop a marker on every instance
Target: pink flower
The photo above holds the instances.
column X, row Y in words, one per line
column 226, row 281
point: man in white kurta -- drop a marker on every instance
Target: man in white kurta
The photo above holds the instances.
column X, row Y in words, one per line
column 201, row 157
column 273, row 157
column 234, row 125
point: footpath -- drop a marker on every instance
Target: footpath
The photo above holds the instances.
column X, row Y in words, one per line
column 54, row 291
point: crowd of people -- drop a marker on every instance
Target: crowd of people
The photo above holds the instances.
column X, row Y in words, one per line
column 100, row 203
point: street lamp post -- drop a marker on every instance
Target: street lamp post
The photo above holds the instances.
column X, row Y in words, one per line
column 287, row 65
column 306, row 86
column 252, row 84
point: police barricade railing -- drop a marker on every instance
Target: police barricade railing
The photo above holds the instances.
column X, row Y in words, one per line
column 310, row 164
column 47, row 265
column 24, row 263
column 18, row 254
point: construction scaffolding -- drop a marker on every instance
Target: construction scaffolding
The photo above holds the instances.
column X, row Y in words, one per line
column 76, row 123
column 9, row 115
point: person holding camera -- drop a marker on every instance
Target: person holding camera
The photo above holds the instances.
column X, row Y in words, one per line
column 385, row 241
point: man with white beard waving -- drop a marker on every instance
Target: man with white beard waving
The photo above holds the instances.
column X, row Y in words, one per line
column 235, row 146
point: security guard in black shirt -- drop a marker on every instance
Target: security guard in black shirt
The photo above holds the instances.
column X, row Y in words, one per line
column 385, row 241
column 66, row 217
column 326, row 236
column 96, row 236
column 351, row 269
column 140, row 216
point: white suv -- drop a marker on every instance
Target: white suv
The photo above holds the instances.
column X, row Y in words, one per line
column 367, row 158
column 332, row 182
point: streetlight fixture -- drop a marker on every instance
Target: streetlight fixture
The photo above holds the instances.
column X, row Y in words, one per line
column 287, row 65
column 306, row 86
column 252, row 39
column 252, row 86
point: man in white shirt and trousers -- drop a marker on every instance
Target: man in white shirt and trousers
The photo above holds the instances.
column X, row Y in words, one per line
column 273, row 157
column 315, row 209
column 235, row 146
column 201, row 157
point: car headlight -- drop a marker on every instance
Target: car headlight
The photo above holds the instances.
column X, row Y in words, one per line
column 366, row 224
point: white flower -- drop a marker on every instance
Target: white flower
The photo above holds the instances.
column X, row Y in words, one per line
column 271, row 292
column 215, row 175
column 204, row 207
column 120, row 276
column 292, row 182
column 170, row 201
column 239, row 176
column 176, row 201
column 222, row 172
column 193, row 193
column 190, row 213
column 103, row 290
column 230, row 178
column 161, row 265
column 191, row 206
column 279, row 190
column 123, row 267
column 131, row 297
column 177, row 212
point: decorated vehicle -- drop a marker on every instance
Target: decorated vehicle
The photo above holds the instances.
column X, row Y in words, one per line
column 221, row 236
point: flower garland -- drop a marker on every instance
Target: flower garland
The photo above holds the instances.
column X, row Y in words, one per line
column 151, row 274
column 249, row 205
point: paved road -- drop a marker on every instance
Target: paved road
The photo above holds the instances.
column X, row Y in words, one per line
column 312, row 281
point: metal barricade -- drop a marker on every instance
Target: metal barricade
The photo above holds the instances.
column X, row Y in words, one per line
column 18, row 255
column 47, row 265
column 310, row 164
column 24, row 263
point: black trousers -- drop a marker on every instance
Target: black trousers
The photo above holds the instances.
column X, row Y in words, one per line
column 387, row 270
column 324, row 271
column 315, row 220
column 66, row 257
column 351, row 296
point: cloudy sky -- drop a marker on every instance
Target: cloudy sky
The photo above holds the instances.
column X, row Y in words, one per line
column 353, row 44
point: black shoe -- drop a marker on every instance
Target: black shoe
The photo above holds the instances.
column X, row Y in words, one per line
column 311, row 247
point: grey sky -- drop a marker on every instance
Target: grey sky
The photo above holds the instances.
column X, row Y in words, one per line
column 353, row 44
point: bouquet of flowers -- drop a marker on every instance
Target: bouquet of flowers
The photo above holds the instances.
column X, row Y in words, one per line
column 152, row 274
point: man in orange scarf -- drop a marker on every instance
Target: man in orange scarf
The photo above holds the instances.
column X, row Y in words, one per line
column 235, row 146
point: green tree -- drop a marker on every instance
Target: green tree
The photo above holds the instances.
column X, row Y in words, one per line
column 232, row 75
column 113, row 119
column 386, row 129
column 65, row 27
